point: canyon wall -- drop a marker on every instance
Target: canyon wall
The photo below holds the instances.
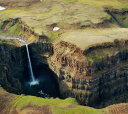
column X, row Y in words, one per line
column 39, row 47
column 93, row 84
column 11, row 66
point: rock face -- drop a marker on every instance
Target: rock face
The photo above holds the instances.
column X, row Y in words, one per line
column 40, row 52
column 84, row 82
column 14, row 73
column 11, row 65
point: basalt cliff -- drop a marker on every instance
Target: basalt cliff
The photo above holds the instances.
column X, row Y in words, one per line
column 86, row 59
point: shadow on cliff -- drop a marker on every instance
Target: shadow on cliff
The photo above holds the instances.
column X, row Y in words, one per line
column 48, row 81
column 15, row 59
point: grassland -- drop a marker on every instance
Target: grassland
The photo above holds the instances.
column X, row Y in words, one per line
column 41, row 16
column 88, row 37
column 20, row 103
column 114, row 3
column 66, row 14
column 67, row 106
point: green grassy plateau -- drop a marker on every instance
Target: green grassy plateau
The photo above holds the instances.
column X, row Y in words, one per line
column 25, row 104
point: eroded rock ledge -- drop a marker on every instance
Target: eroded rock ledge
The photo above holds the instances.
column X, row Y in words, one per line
column 94, row 84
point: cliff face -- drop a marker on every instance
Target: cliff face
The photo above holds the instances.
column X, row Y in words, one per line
column 93, row 84
column 40, row 50
column 11, row 65
column 70, row 57
column 71, row 66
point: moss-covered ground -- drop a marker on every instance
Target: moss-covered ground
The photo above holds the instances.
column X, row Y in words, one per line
column 43, row 16
column 56, row 106
column 89, row 37
column 115, row 3
column 69, row 15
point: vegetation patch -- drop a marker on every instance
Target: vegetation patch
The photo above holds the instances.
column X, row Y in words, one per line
column 119, row 3
column 67, row 106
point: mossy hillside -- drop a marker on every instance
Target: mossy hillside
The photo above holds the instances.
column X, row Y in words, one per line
column 85, row 39
column 98, row 54
column 17, row 3
column 58, row 106
column 13, row 28
column 43, row 16
column 122, row 18
column 10, row 28
column 114, row 3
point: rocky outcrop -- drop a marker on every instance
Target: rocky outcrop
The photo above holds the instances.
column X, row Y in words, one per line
column 40, row 52
column 90, row 85
column 7, row 80
column 67, row 55
column 11, row 65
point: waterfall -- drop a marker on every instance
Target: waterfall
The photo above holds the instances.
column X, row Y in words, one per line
column 33, row 81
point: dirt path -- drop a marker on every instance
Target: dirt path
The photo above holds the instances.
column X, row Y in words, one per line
column 118, row 108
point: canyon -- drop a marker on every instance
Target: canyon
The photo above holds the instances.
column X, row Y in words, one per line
column 88, row 62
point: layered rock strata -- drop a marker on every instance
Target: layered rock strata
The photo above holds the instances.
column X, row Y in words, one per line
column 84, row 82
column 11, row 66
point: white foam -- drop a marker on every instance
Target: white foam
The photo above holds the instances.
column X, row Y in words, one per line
column 46, row 96
column 56, row 28
column 36, row 82
column 2, row 8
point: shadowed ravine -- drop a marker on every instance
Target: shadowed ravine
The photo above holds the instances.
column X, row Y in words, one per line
column 42, row 82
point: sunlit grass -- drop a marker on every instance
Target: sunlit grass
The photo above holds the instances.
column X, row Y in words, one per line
column 104, row 3
column 58, row 106
column 120, row 3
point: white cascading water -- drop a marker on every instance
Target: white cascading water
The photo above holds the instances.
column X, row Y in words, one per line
column 33, row 80
column 2, row 8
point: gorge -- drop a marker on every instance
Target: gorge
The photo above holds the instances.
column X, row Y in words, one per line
column 33, row 85
column 92, row 89
column 64, row 51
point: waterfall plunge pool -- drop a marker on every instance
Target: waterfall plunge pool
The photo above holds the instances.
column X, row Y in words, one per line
column 47, row 83
column 44, row 84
